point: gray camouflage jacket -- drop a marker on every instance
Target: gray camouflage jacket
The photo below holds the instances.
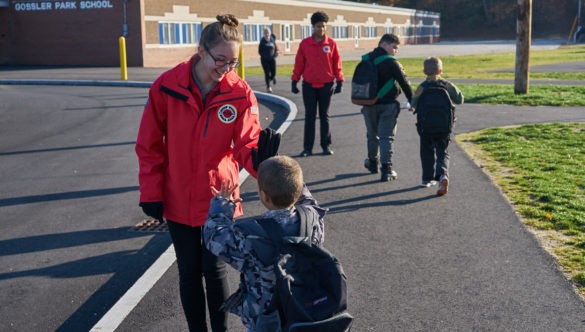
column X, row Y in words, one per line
column 228, row 242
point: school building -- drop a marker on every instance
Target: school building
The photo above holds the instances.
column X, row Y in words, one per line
column 161, row 33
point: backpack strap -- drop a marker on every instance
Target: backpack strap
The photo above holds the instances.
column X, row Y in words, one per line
column 390, row 83
column 307, row 219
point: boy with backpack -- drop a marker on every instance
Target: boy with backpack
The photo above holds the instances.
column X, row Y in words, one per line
column 376, row 76
column 265, row 248
column 433, row 104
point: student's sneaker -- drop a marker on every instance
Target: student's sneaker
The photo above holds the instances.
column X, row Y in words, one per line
column 305, row 153
column 387, row 174
column 371, row 165
column 443, row 185
column 428, row 184
column 269, row 89
column 274, row 80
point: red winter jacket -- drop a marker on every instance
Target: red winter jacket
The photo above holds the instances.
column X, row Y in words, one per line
column 318, row 63
column 185, row 147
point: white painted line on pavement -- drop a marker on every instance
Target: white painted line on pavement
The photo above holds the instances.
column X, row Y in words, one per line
column 116, row 315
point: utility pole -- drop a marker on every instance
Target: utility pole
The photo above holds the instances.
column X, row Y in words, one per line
column 523, row 40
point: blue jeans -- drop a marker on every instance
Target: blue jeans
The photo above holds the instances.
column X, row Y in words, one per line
column 195, row 262
column 381, row 121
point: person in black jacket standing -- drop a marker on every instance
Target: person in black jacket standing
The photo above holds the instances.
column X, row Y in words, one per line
column 268, row 52
column 382, row 117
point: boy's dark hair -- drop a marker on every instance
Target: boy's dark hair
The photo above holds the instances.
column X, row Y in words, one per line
column 389, row 38
column 432, row 66
column 281, row 178
column 319, row 17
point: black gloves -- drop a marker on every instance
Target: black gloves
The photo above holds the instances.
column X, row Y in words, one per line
column 268, row 144
column 153, row 209
column 338, row 87
column 294, row 88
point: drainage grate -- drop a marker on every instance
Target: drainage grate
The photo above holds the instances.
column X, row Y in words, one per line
column 150, row 225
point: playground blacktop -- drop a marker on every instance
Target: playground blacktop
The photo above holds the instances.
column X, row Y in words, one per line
column 414, row 261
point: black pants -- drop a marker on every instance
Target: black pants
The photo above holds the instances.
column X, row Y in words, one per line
column 195, row 262
column 432, row 145
column 314, row 98
column 269, row 67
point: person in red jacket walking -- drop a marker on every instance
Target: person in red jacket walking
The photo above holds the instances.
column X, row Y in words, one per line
column 319, row 63
column 199, row 125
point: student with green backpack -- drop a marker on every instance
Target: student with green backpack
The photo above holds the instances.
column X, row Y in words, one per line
column 381, row 117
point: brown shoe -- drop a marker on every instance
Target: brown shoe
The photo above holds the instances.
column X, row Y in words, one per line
column 443, row 185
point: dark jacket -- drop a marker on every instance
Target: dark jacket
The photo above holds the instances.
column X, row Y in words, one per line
column 267, row 49
column 388, row 69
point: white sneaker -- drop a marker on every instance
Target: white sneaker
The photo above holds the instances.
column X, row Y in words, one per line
column 269, row 89
column 428, row 184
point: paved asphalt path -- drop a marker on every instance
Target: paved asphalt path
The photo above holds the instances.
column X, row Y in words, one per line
column 415, row 262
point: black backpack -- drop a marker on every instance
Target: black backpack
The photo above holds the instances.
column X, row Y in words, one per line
column 364, row 83
column 434, row 109
column 310, row 293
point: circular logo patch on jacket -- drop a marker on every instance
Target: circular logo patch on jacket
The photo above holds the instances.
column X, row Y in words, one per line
column 326, row 49
column 227, row 113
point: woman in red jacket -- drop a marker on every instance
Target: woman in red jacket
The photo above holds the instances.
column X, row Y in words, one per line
column 200, row 123
column 318, row 62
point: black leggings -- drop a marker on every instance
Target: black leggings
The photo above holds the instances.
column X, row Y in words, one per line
column 269, row 67
column 195, row 262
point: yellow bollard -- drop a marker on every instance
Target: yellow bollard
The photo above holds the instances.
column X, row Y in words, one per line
column 572, row 30
column 123, row 65
column 241, row 67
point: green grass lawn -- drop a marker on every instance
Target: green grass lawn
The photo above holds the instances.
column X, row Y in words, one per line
column 540, row 168
column 490, row 66
column 539, row 95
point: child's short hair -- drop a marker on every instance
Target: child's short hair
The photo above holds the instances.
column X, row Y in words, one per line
column 319, row 17
column 389, row 38
column 281, row 179
column 432, row 66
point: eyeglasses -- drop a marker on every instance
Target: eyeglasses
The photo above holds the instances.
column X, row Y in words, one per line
column 223, row 63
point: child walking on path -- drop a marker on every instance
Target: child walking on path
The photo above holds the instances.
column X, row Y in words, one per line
column 280, row 188
column 433, row 102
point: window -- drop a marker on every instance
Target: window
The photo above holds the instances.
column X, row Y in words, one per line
column 255, row 32
column 340, row 32
column 389, row 29
column 399, row 30
column 357, row 32
column 370, row 32
column 191, row 33
column 409, row 31
column 306, row 31
column 178, row 33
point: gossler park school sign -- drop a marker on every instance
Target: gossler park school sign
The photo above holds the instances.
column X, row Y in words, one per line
column 24, row 5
